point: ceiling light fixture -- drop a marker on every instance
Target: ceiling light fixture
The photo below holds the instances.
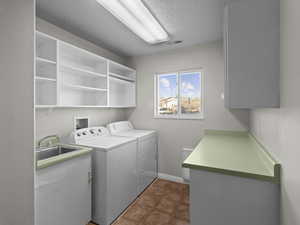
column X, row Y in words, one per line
column 137, row 17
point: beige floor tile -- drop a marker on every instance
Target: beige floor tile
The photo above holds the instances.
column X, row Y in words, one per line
column 158, row 218
column 166, row 205
column 182, row 212
column 136, row 213
column 162, row 203
column 123, row 221
column 148, row 200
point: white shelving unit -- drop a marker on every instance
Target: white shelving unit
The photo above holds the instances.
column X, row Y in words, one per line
column 46, row 70
column 70, row 77
column 81, row 59
column 122, row 85
column 83, row 77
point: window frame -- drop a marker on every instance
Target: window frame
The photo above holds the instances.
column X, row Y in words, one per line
column 179, row 115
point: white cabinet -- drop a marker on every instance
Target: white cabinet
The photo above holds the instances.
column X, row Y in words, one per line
column 251, row 43
column 63, row 193
column 67, row 76
column 122, row 85
column 83, row 77
column 221, row 199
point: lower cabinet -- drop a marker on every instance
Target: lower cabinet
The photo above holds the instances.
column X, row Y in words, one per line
column 63, row 193
column 221, row 199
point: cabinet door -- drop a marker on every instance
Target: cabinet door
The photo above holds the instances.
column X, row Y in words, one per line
column 147, row 161
column 63, row 193
column 252, row 56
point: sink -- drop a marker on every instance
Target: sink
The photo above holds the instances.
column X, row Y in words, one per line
column 45, row 153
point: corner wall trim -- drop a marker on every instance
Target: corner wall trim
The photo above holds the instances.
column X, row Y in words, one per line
column 170, row 177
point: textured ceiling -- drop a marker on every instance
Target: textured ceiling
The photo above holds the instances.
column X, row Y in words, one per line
column 192, row 21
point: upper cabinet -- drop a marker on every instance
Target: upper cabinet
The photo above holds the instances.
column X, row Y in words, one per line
column 67, row 76
column 252, row 53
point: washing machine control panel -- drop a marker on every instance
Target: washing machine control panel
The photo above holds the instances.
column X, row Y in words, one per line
column 120, row 126
column 90, row 132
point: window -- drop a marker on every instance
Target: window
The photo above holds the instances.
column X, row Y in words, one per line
column 179, row 95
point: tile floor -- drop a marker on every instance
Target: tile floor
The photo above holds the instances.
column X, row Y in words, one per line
column 162, row 203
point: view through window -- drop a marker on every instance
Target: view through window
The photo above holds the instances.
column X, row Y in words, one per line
column 179, row 95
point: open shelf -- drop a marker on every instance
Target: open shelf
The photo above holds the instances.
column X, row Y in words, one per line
column 121, row 93
column 122, row 85
column 121, row 71
column 45, row 106
column 121, row 77
column 70, row 106
column 44, row 79
column 70, row 77
column 46, row 69
column 45, row 48
column 80, row 72
column 75, row 96
column 82, row 78
column 45, row 93
column 83, row 106
column 81, row 60
column 79, row 87
column 39, row 59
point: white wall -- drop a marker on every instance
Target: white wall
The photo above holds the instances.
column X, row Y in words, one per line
column 16, row 112
column 279, row 129
column 176, row 134
column 60, row 121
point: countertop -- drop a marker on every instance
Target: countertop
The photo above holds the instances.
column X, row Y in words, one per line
column 63, row 157
column 233, row 153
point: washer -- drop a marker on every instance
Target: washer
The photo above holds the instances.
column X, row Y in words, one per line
column 147, row 153
column 114, row 171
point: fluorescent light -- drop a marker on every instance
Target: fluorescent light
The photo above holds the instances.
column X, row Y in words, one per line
column 135, row 15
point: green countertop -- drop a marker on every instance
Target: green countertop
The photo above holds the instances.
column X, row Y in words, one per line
column 233, row 153
column 63, row 157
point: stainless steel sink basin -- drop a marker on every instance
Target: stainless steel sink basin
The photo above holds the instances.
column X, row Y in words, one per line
column 45, row 153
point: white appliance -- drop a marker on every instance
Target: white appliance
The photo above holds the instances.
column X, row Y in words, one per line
column 147, row 154
column 114, row 171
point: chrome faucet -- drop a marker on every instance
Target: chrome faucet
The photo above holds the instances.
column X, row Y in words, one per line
column 48, row 141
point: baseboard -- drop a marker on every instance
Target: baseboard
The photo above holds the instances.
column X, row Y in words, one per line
column 170, row 177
